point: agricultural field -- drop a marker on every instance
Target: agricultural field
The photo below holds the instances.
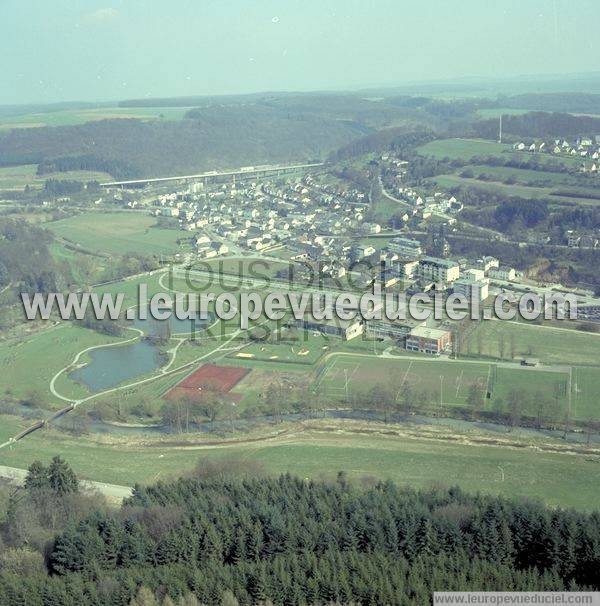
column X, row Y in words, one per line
column 119, row 233
column 552, row 195
column 464, row 149
column 535, row 178
column 496, row 112
column 72, row 117
column 17, row 177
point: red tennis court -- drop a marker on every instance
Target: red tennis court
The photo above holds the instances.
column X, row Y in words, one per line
column 210, row 376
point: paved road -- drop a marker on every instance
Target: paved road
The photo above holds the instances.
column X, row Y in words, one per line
column 212, row 174
column 112, row 491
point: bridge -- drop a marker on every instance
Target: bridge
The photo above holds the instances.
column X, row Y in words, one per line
column 245, row 172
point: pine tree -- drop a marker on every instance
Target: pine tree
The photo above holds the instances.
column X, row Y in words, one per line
column 61, row 477
column 37, row 477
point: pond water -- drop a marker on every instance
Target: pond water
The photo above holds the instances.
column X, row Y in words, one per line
column 113, row 365
column 110, row 366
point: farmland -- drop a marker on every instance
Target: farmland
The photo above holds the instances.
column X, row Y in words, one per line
column 118, row 233
column 17, row 177
column 81, row 116
column 465, row 149
column 462, row 149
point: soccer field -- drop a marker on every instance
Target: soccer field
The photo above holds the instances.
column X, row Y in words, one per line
column 450, row 383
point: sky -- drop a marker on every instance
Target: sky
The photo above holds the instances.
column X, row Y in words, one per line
column 92, row 50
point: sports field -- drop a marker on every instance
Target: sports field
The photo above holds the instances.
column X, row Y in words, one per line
column 444, row 384
column 119, row 233
column 447, row 383
column 221, row 379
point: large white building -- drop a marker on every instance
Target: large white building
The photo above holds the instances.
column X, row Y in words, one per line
column 438, row 270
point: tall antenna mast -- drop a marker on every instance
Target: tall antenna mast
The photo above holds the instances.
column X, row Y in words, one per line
column 500, row 130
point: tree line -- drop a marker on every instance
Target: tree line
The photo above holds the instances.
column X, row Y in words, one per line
column 229, row 535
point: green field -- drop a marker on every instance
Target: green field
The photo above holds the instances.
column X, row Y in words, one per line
column 409, row 459
column 80, row 116
column 524, row 191
column 524, row 176
column 551, row 345
column 119, row 233
column 447, row 384
column 17, row 177
column 464, row 149
column 240, row 266
column 28, row 366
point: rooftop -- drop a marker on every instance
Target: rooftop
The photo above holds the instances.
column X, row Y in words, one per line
column 423, row 332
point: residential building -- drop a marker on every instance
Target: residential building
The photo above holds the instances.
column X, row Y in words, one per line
column 472, row 289
column 486, row 263
column 503, row 272
column 433, row 269
column 406, row 247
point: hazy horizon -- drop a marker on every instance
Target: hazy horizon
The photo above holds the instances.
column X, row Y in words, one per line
column 94, row 51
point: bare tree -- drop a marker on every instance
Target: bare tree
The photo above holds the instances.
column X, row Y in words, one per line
column 501, row 345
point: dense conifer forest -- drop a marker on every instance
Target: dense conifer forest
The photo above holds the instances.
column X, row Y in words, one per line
column 219, row 537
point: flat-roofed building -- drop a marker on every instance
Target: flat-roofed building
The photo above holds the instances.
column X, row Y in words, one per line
column 433, row 269
column 345, row 329
column 380, row 329
column 473, row 290
column 503, row 272
column 428, row 340
column 406, row 247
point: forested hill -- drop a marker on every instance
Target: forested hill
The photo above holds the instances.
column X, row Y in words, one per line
column 223, row 133
column 209, row 138
column 539, row 124
column 218, row 540
column 580, row 103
